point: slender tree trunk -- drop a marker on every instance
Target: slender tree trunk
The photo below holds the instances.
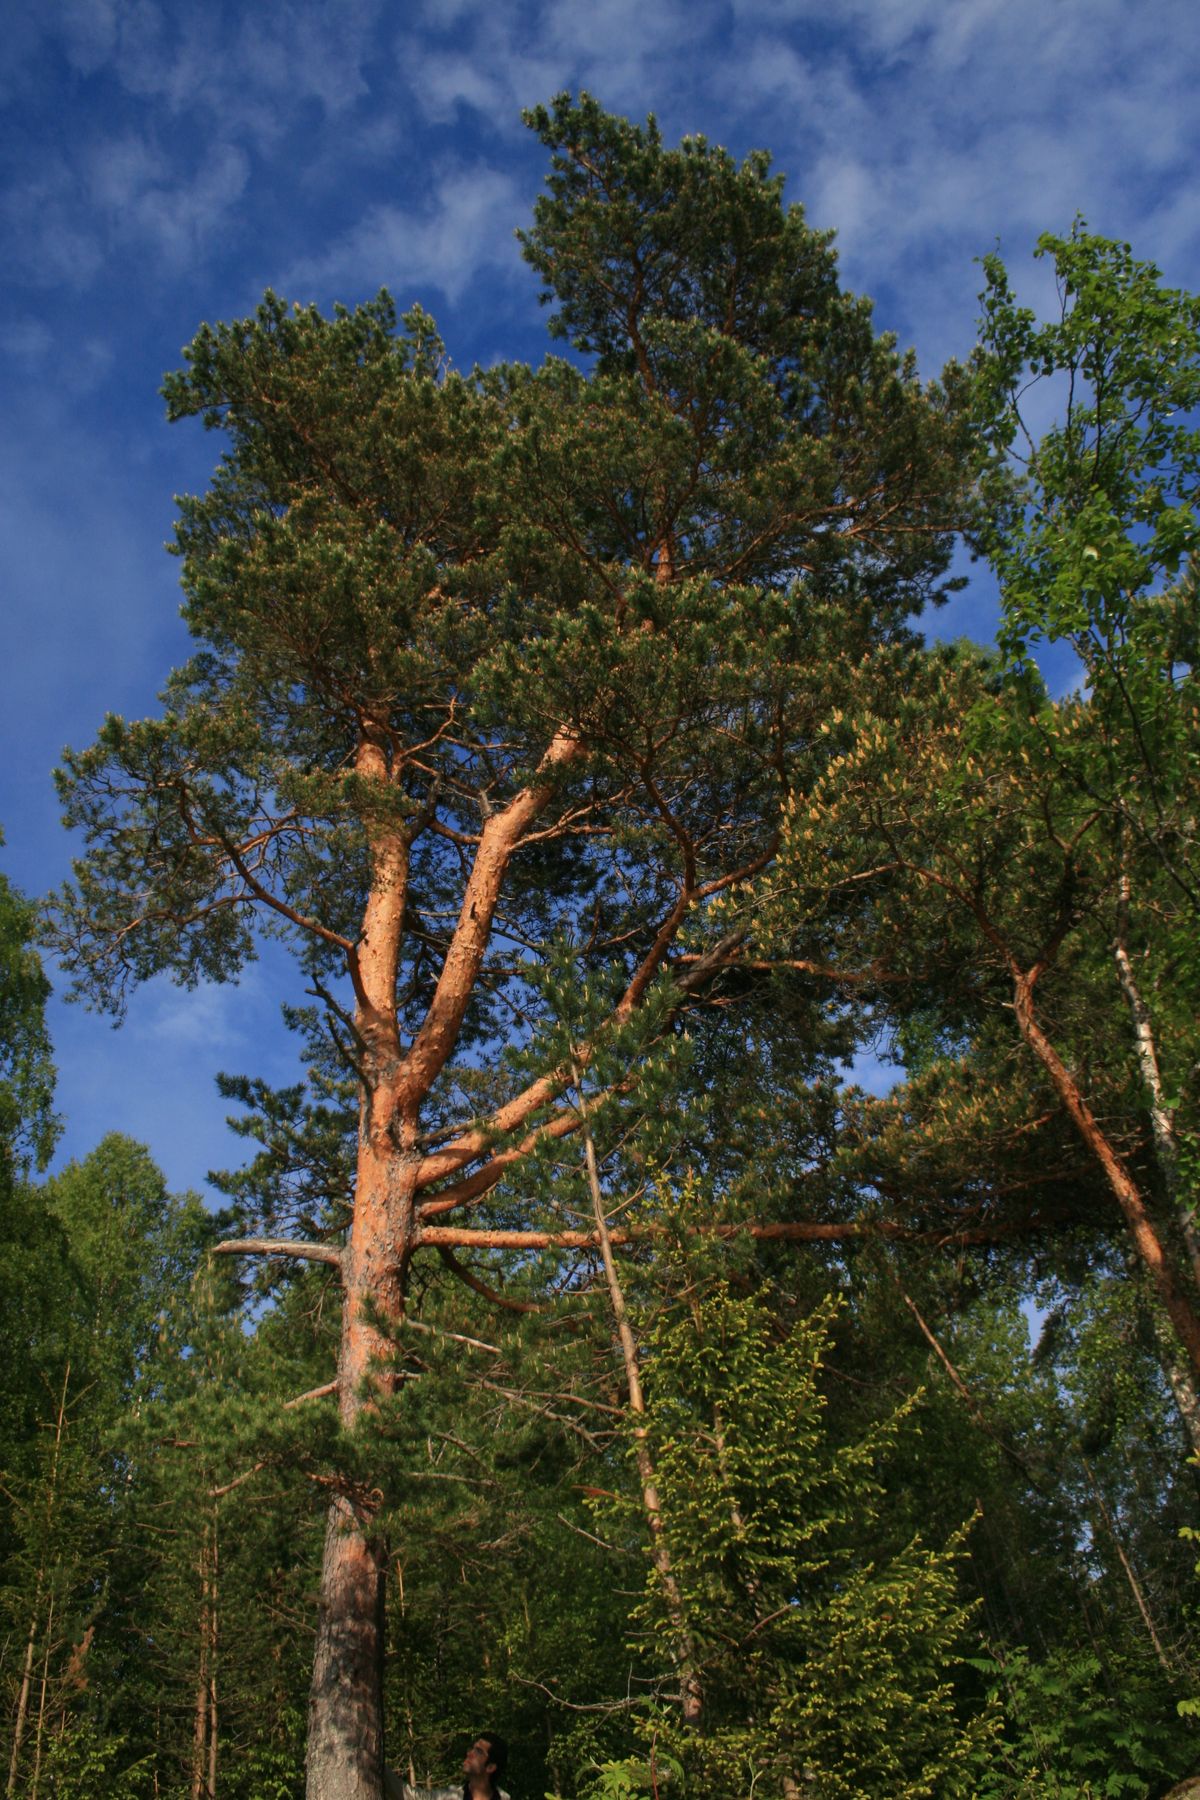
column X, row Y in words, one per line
column 691, row 1698
column 1166, row 1151
column 1183, row 1388
column 205, row 1718
column 1162, row 1125
column 213, row 1627
column 1141, row 1227
column 200, row 1711
column 26, row 1689
column 39, row 1736
column 1135, row 1586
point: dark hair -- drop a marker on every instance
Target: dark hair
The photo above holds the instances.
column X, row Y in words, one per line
column 497, row 1750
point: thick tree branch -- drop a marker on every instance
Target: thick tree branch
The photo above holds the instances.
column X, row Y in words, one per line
column 514, row 1112
column 483, row 1238
column 479, row 1183
column 303, row 1252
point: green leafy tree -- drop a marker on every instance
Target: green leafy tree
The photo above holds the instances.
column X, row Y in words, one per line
column 115, row 1249
column 1100, row 556
column 28, row 1127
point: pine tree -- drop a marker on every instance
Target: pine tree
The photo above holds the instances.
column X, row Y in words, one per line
column 480, row 657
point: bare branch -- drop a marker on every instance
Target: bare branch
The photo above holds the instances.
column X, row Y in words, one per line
column 317, row 1393
column 438, row 1331
column 303, row 1252
column 594, row 1706
column 481, row 1288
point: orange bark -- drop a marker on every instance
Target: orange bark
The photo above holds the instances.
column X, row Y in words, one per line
column 345, row 1742
column 1121, row 1184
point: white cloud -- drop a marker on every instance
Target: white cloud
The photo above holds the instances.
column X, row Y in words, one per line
column 501, row 58
column 218, row 1019
column 154, row 1079
column 123, row 194
column 448, row 81
column 196, row 90
column 923, row 132
column 247, row 67
column 466, row 228
column 89, row 33
column 176, row 219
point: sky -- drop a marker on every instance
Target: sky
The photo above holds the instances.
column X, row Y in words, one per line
column 161, row 164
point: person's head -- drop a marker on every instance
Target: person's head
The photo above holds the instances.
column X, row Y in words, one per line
column 487, row 1756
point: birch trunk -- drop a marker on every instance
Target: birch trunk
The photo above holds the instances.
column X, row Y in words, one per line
column 26, row 1689
column 1124, row 1189
column 1166, row 1152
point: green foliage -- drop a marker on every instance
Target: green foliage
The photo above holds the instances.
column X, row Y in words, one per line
column 85, row 1762
column 28, row 1127
column 270, row 1767
column 632, row 1778
column 1077, row 1730
column 825, row 1646
column 1110, row 488
column 783, row 831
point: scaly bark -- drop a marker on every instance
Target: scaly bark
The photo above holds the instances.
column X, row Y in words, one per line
column 345, row 1738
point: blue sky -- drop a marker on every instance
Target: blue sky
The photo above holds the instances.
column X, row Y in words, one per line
column 163, row 163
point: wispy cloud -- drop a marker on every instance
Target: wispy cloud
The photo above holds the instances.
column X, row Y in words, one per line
column 240, row 63
column 497, row 60
column 923, row 132
column 26, row 341
column 120, row 193
column 144, row 198
column 161, row 160
column 200, row 92
column 464, row 228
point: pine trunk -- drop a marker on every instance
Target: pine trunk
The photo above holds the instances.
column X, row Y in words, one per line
column 345, row 1712
column 345, row 1716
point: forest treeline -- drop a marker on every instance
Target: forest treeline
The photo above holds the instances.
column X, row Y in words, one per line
column 722, row 1307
